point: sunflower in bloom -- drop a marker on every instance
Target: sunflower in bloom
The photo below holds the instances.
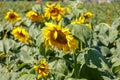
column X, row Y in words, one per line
column 57, row 36
column 12, row 17
column 55, row 12
column 34, row 16
column 76, row 22
column 88, row 15
column 20, row 34
column 81, row 20
column 42, row 69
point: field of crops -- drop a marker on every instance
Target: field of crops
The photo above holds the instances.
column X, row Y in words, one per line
column 59, row 41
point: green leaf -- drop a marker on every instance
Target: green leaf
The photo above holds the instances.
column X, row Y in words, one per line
column 66, row 20
column 80, row 31
column 116, row 70
column 105, row 51
column 111, row 36
column 68, row 78
column 105, row 33
column 80, row 58
column 37, row 8
column 1, row 45
column 4, row 76
column 116, row 23
column 8, row 76
column 39, row 40
column 6, row 45
column 90, row 73
column 102, row 27
column 34, row 32
column 28, row 77
column 8, row 26
column 25, row 55
column 28, row 22
column 59, row 68
column 116, row 58
column 94, row 59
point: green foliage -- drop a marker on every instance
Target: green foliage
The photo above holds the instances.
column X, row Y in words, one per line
column 81, row 31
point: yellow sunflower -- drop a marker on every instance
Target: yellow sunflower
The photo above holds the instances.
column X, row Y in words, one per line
column 30, row 14
column 88, row 15
column 12, row 16
column 76, row 22
column 20, row 34
column 34, row 16
column 42, row 69
column 56, row 36
column 55, row 12
column 81, row 20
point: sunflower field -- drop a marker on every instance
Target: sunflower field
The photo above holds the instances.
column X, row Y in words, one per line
column 59, row 41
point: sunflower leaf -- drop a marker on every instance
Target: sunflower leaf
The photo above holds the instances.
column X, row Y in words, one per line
column 81, row 31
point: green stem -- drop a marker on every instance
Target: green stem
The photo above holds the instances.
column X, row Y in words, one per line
column 4, row 42
column 75, row 66
column 4, row 50
column 81, row 46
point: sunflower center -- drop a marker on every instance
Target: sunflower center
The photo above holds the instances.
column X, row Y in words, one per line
column 61, row 38
column 12, row 16
column 86, row 16
column 54, row 11
column 21, row 35
column 42, row 68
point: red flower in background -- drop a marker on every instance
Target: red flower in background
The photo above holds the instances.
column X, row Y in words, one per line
column 38, row 1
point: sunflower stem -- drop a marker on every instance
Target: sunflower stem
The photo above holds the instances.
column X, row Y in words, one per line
column 4, row 50
column 81, row 48
column 75, row 66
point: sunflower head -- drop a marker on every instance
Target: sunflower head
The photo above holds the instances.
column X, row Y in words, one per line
column 42, row 69
column 88, row 15
column 34, row 16
column 20, row 34
column 54, row 12
column 12, row 17
column 81, row 20
column 76, row 22
column 56, row 36
column 30, row 14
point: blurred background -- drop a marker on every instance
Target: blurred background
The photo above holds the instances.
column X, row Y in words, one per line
column 99, row 1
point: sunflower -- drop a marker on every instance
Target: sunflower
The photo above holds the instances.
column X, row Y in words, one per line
column 88, row 15
column 42, row 69
column 55, row 12
column 34, row 16
column 30, row 14
column 81, row 20
column 20, row 34
column 56, row 36
column 76, row 22
column 12, row 16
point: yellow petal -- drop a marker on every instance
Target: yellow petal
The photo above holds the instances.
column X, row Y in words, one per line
column 39, row 76
column 55, row 35
column 36, row 67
